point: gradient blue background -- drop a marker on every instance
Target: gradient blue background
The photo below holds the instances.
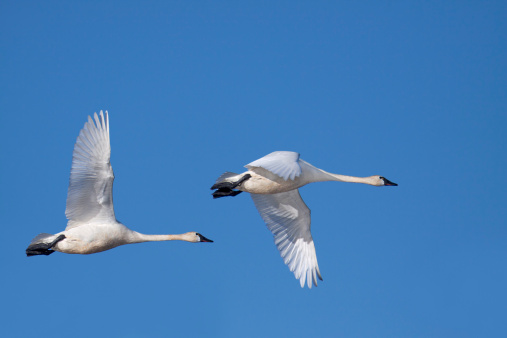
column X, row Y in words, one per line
column 410, row 90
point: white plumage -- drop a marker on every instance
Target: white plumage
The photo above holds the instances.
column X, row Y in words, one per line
column 273, row 182
column 92, row 225
column 90, row 193
column 288, row 218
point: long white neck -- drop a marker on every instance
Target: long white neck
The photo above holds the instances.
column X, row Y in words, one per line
column 350, row 179
column 136, row 237
column 313, row 174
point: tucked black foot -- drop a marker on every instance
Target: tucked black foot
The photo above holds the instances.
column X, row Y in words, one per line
column 43, row 248
column 223, row 192
column 231, row 185
column 226, row 188
column 222, row 185
column 38, row 252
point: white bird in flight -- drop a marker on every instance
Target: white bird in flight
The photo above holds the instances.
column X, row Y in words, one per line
column 273, row 182
column 92, row 225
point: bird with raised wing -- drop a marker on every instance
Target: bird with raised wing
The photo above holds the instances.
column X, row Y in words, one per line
column 273, row 182
column 92, row 225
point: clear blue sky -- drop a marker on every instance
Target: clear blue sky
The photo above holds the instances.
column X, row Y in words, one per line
column 414, row 91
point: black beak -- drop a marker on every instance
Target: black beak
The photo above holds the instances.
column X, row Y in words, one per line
column 204, row 239
column 387, row 182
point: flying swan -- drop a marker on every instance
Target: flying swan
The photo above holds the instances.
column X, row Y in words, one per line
column 273, row 182
column 92, row 225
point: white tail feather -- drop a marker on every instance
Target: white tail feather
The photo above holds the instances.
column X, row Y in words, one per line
column 42, row 238
column 224, row 176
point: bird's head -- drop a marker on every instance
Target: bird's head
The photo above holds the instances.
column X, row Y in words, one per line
column 380, row 181
column 195, row 237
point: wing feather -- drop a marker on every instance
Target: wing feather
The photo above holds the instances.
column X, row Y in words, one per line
column 282, row 163
column 288, row 218
column 90, row 193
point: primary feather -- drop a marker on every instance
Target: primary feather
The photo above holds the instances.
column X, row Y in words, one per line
column 90, row 193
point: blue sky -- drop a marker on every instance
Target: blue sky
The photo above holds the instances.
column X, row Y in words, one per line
column 413, row 91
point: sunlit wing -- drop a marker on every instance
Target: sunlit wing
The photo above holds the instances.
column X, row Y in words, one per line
column 288, row 218
column 282, row 163
column 90, row 194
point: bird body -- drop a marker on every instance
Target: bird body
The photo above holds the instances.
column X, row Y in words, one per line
column 93, row 238
column 273, row 182
column 92, row 225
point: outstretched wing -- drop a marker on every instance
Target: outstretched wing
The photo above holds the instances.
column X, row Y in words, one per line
column 288, row 218
column 282, row 163
column 90, row 194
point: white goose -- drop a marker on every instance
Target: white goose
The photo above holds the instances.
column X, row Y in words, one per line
column 273, row 182
column 92, row 226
